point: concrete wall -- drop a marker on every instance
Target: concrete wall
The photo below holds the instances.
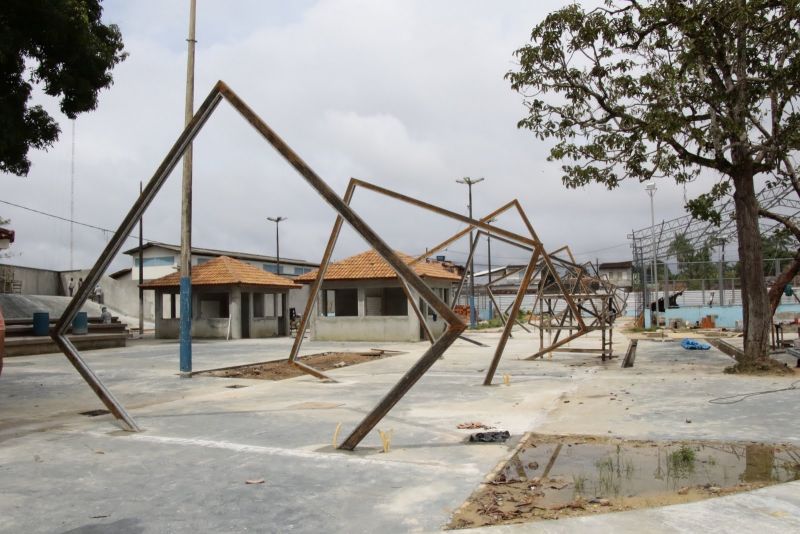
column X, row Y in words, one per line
column 371, row 328
column 215, row 328
column 263, row 326
column 366, row 329
column 36, row 281
column 726, row 316
column 121, row 295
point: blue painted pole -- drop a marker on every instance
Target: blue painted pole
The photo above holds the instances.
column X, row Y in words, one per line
column 472, row 319
column 186, row 324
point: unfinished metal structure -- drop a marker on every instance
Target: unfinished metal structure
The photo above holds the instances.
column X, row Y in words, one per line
column 219, row 92
column 652, row 243
column 598, row 301
column 532, row 243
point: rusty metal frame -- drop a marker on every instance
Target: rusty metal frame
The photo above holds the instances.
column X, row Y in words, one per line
column 219, row 92
column 352, row 186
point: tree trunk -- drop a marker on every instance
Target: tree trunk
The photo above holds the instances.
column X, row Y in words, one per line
column 755, row 303
column 776, row 291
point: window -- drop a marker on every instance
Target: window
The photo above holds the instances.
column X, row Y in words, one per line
column 270, row 267
column 339, row 303
column 213, row 305
column 386, row 301
column 158, row 261
column 395, row 301
column 201, row 261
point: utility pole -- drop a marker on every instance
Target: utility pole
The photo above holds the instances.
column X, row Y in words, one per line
column 277, row 221
column 472, row 319
column 651, row 190
column 72, row 203
column 141, row 272
column 489, row 261
column 186, row 211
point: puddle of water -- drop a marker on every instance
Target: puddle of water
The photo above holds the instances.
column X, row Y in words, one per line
column 592, row 469
column 552, row 476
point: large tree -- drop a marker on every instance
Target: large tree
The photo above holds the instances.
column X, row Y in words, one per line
column 61, row 45
column 668, row 89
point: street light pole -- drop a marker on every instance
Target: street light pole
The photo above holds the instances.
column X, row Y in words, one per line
column 651, row 190
column 472, row 319
column 277, row 221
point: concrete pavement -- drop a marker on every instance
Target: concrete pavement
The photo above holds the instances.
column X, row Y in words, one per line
column 64, row 472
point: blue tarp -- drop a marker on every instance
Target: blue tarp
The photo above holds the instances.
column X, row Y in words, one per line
column 693, row 344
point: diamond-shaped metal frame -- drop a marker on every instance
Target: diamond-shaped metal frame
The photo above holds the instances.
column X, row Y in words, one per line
column 219, row 92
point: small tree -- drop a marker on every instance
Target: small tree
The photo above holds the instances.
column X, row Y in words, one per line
column 61, row 44
column 667, row 89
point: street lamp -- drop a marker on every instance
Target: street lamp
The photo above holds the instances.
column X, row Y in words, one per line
column 472, row 319
column 651, row 190
column 277, row 221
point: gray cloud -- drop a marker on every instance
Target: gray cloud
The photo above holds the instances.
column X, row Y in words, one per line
column 406, row 94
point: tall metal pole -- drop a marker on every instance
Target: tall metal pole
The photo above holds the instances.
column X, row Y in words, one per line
column 277, row 221
column 651, row 190
column 186, row 211
column 722, row 275
column 72, row 203
column 472, row 315
column 141, row 271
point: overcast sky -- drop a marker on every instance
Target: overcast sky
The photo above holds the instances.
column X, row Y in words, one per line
column 406, row 94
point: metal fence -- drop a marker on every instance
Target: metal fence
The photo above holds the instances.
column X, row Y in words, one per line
column 708, row 283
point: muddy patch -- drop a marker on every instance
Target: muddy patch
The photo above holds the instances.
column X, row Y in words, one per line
column 281, row 369
column 552, row 477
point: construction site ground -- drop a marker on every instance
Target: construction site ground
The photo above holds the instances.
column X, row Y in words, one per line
column 203, row 440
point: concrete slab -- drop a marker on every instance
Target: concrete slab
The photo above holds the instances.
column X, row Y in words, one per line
column 63, row 472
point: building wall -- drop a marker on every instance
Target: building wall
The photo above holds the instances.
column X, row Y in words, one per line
column 215, row 328
column 372, row 328
column 35, row 281
column 366, row 329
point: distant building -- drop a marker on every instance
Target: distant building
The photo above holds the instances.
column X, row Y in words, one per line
column 619, row 273
column 230, row 299
column 160, row 259
column 362, row 299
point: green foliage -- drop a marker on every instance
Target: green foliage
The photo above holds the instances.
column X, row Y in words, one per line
column 694, row 264
column 61, row 45
column 780, row 244
column 664, row 89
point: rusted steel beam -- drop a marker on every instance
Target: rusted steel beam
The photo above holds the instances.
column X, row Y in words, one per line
column 449, row 241
column 113, row 247
column 401, row 388
column 501, row 345
column 328, row 194
column 457, row 294
column 126, row 421
column 422, row 322
column 451, row 214
column 313, row 292
column 310, row 370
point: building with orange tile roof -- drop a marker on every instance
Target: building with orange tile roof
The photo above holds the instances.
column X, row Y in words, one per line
column 230, row 299
column 362, row 299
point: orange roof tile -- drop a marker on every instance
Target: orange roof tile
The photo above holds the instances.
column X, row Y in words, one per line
column 225, row 271
column 369, row 265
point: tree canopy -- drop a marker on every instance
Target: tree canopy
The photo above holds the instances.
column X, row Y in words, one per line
column 665, row 90
column 61, row 45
